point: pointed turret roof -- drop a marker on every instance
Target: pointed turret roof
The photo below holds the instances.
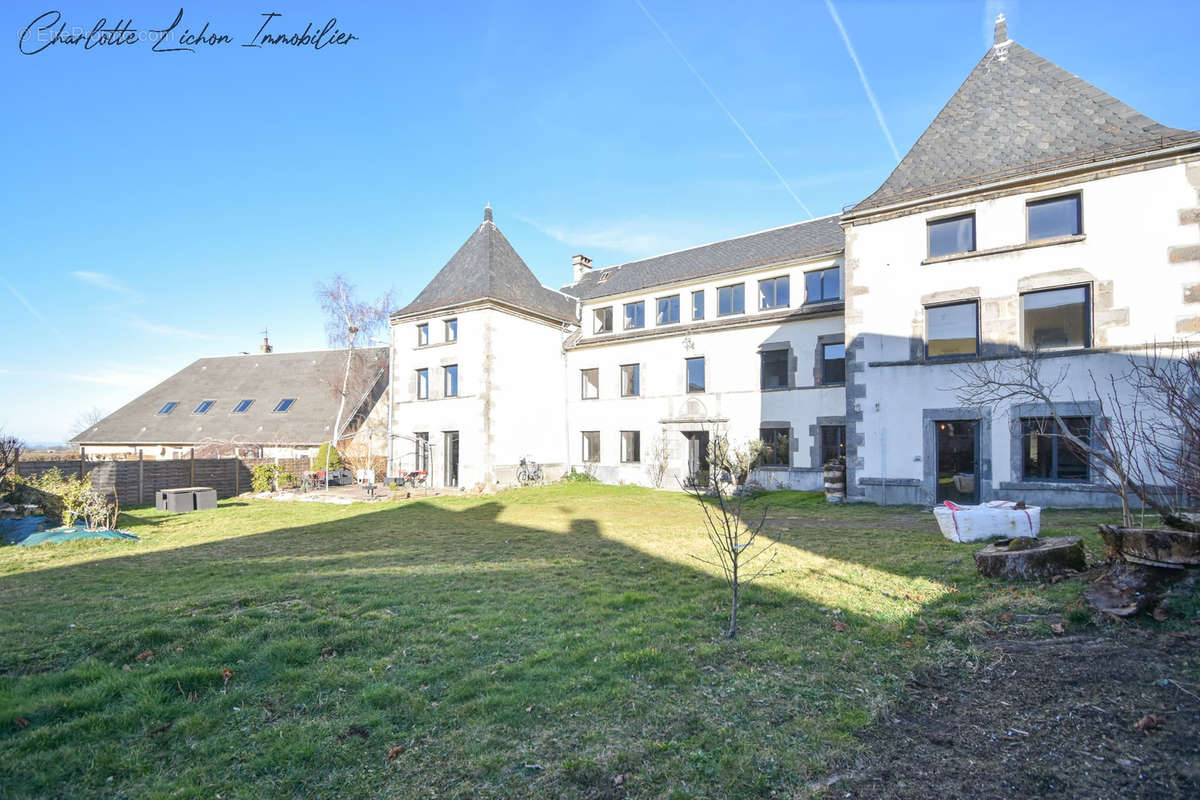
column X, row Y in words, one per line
column 1018, row 113
column 487, row 267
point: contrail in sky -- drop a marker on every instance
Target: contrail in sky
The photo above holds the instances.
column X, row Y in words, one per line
column 717, row 100
column 29, row 307
column 863, row 77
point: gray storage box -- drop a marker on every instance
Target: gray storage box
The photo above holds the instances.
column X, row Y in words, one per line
column 180, row 501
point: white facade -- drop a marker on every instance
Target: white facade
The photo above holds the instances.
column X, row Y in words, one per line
column 1127, row 256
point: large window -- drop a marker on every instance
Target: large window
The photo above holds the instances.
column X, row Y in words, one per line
column 1050, row 456
column 631, row 380
column 631, row 447
column 773, row 370
column 833, row 442
column 635, row 315
column 695, row 374
column 833, row 363
column 450, row 372
column 823, row 285
column 423, row 334
column 602, row 320
column 775, row 452
column 668, row 310
column 1056, row 319
column 950, row 236
column 591, row 447
column 774, row 293
column 952, row 330
column 590, row 383
column 451, row 330
column 422, row 384
column 731, row 299
column 698, row 304
column 1054, row 216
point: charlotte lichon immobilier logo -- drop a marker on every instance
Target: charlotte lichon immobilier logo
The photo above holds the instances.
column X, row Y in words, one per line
column 49, row 30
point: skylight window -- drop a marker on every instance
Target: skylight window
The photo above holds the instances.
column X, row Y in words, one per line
column 284, row 404
column 243, row 406
column 204, row 406
column 605, row 276
column 168, row 408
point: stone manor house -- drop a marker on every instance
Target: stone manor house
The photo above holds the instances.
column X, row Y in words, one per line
column 1036, row 211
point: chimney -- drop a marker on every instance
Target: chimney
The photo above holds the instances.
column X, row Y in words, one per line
column 580, row 265
column 487, row 213
column 1001, row 30
column 265, row 347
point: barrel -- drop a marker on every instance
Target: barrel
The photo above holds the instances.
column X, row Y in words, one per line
column 835, row 482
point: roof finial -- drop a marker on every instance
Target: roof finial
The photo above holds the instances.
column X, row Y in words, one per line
column 487, row 213
column 1001, row 30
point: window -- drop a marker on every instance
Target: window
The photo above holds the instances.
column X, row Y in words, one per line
column 422, row 384
column 635, row 315
column 1048, row 456
column 284, row 404
column 822, row 285
column 833, row 363
column 590, row 379
column 591, row 447
column 731, row 299
column 774, row 293
column 952, row 330
column 243, row 406
column 774, row 369
column 451, row 330
column 698, row 304
column 602, row 320
column 631, row 380
column 450, row 376
column 1055, row 319
column 668, row 310
column 168, row 407
column 1054, row 216
column 421, row 451
column 833, row 442
column 695, row 374
column 204, row 406
column 631, row 447
column 423, row 334
column 953, row 235
column 775, row 451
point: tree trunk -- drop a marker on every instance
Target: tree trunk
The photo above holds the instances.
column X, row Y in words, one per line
column 733, row 609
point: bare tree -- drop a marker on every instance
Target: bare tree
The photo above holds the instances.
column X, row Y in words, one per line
column 733, row 539
column 346, row 319
column 10, row 454
column 660, row 460
column 1128, row 431
column 87, row 419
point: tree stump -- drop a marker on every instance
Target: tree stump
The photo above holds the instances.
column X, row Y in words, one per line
column 1153, row 547
column 1026, row 559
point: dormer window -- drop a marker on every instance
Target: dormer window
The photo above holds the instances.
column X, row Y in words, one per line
column 204, row 406
column 168, row 408
column 605, row 276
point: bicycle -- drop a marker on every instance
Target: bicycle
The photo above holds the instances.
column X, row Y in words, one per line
column 530, row 472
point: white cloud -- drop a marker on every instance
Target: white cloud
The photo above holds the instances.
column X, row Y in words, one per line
column 102, row 280
column 160, row 329
column 117, row 377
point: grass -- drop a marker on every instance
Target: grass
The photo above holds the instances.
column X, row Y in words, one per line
column 538, row 643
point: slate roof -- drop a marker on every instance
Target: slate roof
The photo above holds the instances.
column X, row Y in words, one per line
column 487, row 267
column 265, row 378
column 803, row 240
column 1018, row 113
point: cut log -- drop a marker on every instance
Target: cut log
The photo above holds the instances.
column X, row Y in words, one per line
column 1028, row 559
column 1155, row 547
column 1125, row 589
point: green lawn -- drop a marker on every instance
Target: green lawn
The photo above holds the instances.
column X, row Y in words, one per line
column 538, row 643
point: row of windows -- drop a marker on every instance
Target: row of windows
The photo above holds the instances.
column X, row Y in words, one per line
column 449, row 333
column 776, row 445
column 1044, row 219
column 1051, row 319
column 774, row 372
column 449, row 382
column 819, row 286
column 241, row 407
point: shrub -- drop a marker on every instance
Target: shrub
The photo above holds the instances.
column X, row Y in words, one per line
column 71, row 498
column 335, row 458
column 286, row 479
column 579, row 477
column 262, row 477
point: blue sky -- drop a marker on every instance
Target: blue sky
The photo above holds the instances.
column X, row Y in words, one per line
column 160, row 207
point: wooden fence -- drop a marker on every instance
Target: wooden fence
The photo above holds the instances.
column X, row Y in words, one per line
column 136, row 481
